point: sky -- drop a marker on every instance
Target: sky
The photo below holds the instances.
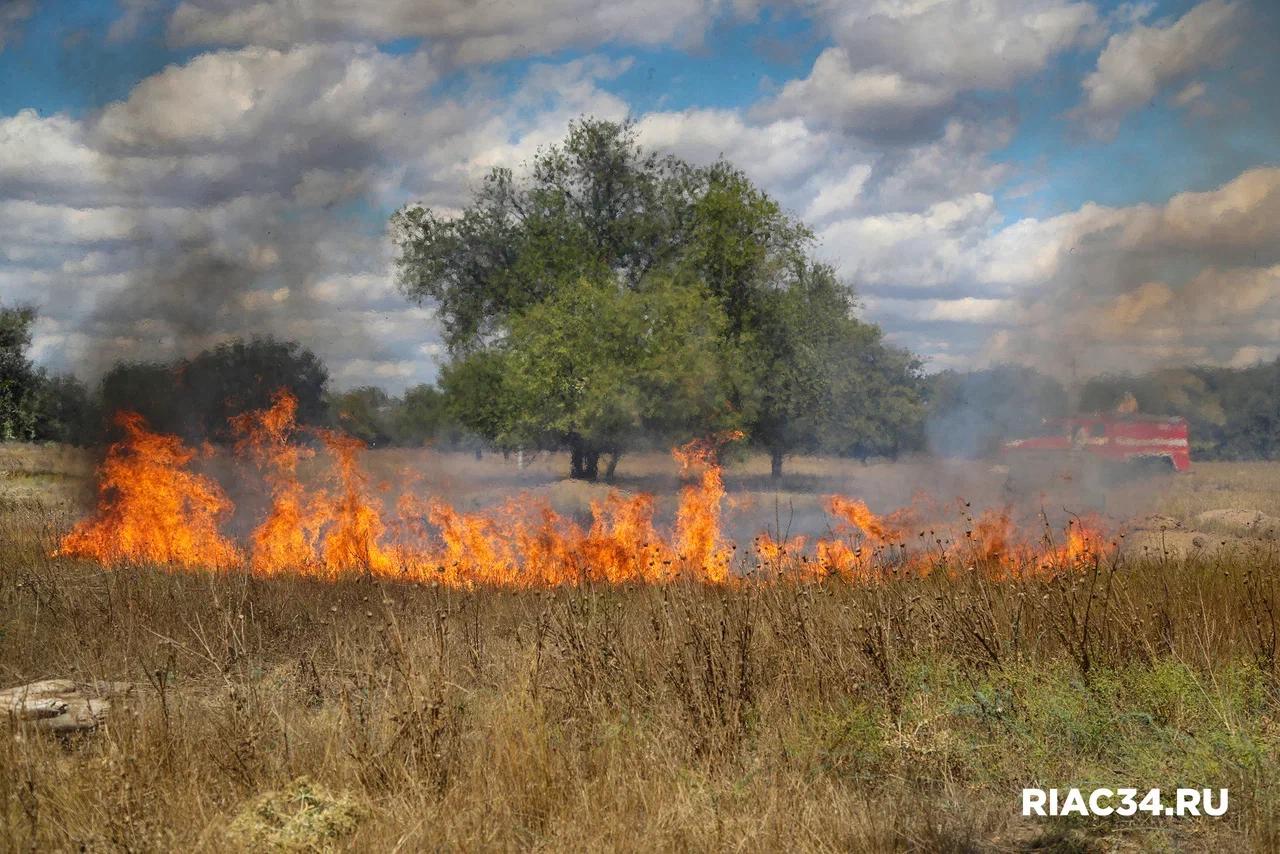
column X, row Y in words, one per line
column 1078, row 186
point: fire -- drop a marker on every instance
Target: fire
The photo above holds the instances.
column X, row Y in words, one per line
column 858, row 518
column 286, row 538
column 151, row 508
column 623, row 544
column 354, row 525
column 699, row 542
column 154, row 508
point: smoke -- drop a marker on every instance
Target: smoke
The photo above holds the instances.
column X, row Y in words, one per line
column 970, row 414
column 195, row 281
column 245, row 192
column 232, row 171
column 1151, row 286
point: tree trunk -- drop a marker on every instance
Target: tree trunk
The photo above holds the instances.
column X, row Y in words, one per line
column 775, row 462
column 584, row 460
column 591, row 464
column 479, row 453
column 613, row 465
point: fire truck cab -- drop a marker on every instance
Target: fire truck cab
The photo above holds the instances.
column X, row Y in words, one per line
column 1085, row 455
column 1146, row 441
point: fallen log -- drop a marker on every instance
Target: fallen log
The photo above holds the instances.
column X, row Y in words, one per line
column 61, row 706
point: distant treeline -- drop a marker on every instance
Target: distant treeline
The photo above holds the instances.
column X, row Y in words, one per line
column 196, row 398
column 1234, row 413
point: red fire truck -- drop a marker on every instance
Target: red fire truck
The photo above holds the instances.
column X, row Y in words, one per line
column 1095, row 451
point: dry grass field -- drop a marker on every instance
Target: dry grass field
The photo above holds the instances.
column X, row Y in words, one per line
column 288, row 714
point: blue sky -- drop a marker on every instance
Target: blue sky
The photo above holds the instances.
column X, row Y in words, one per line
column 1002, row 180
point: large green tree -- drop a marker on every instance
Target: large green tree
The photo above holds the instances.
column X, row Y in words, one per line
column 597, row 364
column 612, row 291
column 596, row 204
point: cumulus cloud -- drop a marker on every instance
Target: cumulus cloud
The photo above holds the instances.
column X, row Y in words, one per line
column 462, row 33
column 245, row 191
column 782, row 155
column 820, row 175
column 1194, row 279
column 133, row 13
column 961, row 310
column 875, row 102
column 291, row 101
column 37, row 153
column 902, row 251
column 1137, row 65
column 899, row 68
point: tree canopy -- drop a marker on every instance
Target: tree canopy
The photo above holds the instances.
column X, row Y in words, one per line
column 610, row 293
column 35, row 405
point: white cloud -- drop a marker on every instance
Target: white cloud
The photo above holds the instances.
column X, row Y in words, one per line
column 774, row 153
column 869, row 100
column 290, row 100
column 931, row 249
column 839, row 196
column 50, row 147
column 1138, row 64
column 1246, row 356
column 962, row 310
column 958, row 162
column 23, row 222
column 133, row 13
column 900, row 67
column 1190, row 93
column 460, row 32
column 218, row 197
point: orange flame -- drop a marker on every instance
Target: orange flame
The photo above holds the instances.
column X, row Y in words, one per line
column 153, row 508
column 354, row 523
column 699, row 542
column 286, row 538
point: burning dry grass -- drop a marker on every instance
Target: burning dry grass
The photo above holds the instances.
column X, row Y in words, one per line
column 152, row 507
column 902, row 709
